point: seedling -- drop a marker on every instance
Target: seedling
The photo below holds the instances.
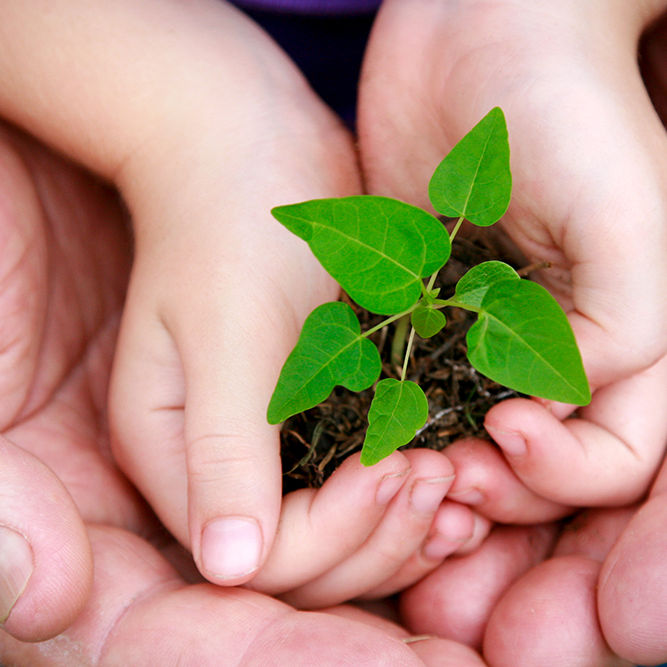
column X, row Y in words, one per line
column 386, row 255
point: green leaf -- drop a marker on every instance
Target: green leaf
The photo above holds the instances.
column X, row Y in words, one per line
column 472, row 287
column 427, row 321
column 523, row 340
column 474, row 180
column 330, row 351
column 377, row 248
column 398, row 410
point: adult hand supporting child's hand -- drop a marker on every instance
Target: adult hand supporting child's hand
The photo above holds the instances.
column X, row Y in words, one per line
column 62, row 286
column 204, row 125
column 63, row 283
column 589, row 159
column 603, row 587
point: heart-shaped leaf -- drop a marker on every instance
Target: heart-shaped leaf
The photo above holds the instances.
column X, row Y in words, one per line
column 523, row 340
column 472, row 287
column 330, row 351
column 474, row 180
column 398, row 410
column 377, row 248
column 427, row 321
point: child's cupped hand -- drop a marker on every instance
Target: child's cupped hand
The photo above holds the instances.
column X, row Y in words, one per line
column 588, row 160
column 204, row 129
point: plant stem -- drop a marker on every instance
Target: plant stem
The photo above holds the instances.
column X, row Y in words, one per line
column 433, row 277
column 449, row 303
column 458, row 224
column 408, row 350
column 389, row 320
column 431, row 281
column 398, row 341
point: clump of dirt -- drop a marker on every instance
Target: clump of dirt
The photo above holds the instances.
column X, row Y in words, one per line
column 314, row 443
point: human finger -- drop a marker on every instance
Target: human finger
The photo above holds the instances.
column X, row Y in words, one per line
column 398, row 535
column 319, row 528
column 633, row 584
column 46, row 564
column 433, row 650
column 456, row 599
column 141, row 613
column 601, row 458
column 456, row 530
column 549, row 617
column 485, row 481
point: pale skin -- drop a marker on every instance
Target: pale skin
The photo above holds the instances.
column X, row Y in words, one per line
column 565, row 98
column 55, row 452
column 171, row 340
column 604, row 236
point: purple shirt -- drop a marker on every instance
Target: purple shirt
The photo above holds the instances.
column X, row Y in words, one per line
column 325, row 38
column 319, row 7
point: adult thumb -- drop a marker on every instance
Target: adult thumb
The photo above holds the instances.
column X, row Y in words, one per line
column 46, row 567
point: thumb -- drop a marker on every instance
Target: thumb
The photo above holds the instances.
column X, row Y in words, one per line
column 45, row 559
column 232, row 453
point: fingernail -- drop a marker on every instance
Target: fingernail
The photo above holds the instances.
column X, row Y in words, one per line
column 389, row 486
column 427, row 494
column 16, row 568
column 512, row 442
column 470, row 496
column 231, row 547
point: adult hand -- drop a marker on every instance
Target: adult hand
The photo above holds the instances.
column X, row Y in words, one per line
column 600, row 580
column 63, row 286
column 589, row 160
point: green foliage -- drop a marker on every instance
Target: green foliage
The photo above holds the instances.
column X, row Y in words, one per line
column 377, row 248
column 380, row 250
column 474, row 181
column 398, row 410
column 330, row 351
column 522, row 339
column 472, row 286
column 427, row 321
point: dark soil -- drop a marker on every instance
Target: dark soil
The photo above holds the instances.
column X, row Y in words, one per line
column 316, row 442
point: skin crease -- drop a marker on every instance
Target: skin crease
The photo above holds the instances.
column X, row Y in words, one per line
column 58, row 426
column 65, row 402
column 560, row 96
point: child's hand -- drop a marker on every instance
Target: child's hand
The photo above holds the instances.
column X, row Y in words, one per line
column 368, row 532
column 204, row 125
column 589, row 159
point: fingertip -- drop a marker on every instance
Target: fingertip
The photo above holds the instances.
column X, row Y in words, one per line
column 234, row 499
column 632, row 590
column 46, row 568
column 549, row 617
column 231, row 549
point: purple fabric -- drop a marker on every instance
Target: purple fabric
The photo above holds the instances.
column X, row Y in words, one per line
column 313, row 7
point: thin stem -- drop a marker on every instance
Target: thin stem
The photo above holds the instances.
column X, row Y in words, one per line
column 536, row 266
column 408, row 350
column 431, row 281
column 446, row 303
column 434, row 276
column 389, row 320
column 398, row 341
column 457, row 226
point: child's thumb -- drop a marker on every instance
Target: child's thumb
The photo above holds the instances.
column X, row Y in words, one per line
column 233, row 460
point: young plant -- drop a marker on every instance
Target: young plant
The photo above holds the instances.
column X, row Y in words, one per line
column 386, row 255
